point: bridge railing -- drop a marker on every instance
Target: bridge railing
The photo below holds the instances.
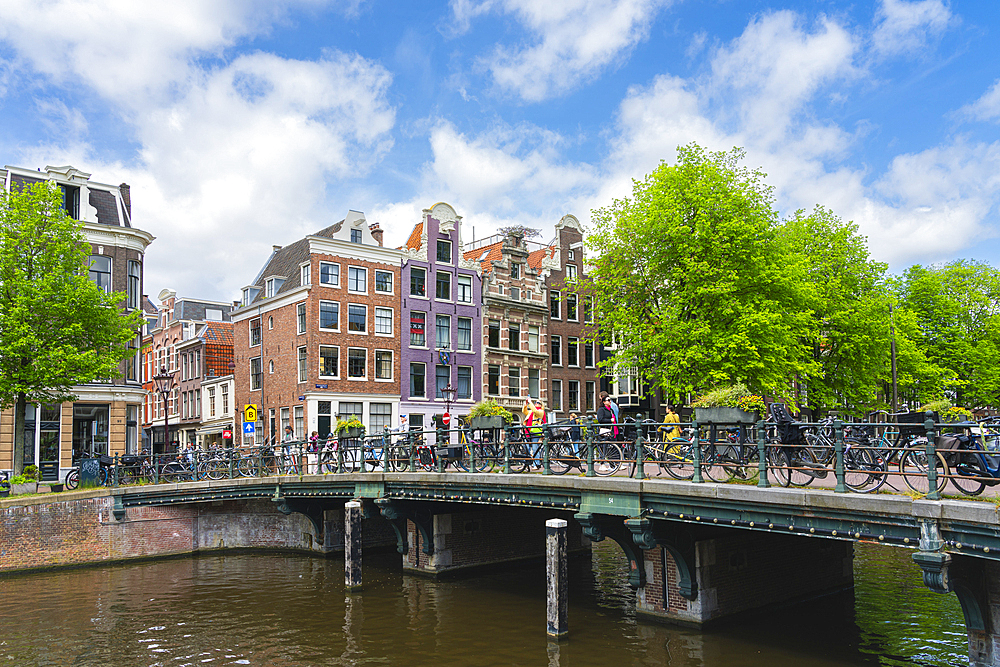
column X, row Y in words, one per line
column 860, row 458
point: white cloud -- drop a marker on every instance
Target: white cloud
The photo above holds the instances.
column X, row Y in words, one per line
column 575, row 40
column 905, row 27
column 986, row 107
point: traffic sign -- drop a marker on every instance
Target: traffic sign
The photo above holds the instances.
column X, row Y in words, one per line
column 250, row 413
column 249, row 428
column 227, row 434
column 446, row 419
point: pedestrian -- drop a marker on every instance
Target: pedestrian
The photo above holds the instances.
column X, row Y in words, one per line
column 669, row 429
column 534, row 417
column 614, row 406
column 312, row 455
column 606, row 415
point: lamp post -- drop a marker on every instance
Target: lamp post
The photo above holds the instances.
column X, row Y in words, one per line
column 449, row 394
column 164, row 385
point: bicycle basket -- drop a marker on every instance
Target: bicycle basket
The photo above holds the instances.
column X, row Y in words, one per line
column 105, row 460
column 912, row 423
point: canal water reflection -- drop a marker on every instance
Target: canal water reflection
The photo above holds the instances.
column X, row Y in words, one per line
column 285, row 610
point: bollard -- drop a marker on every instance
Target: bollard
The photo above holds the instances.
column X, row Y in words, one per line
column 556, row 590
column 838, row 430
column 409, row 441
column 352, row 546
column 640, row 451
column 589, row 426
column 932, row 472
column 440, row 440
column 385, row 450
column 762, row 456
column 696, row 454
column 546, row 463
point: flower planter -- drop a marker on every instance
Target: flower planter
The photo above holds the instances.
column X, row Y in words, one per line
column 724, row 415
column 351, row 432
column 4, row 491
column 27, row 487
column 486, row 422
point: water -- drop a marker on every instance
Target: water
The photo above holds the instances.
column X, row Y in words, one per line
column 291, row 610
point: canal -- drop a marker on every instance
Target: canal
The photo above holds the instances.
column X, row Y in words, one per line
column 291, row 610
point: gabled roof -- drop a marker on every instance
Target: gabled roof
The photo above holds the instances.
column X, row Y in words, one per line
column 413, row 243
column 220, row 333
column 486, row 255
column 536, row 257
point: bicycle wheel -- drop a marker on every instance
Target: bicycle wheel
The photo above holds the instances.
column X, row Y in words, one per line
column 607, row 458
column 217, row 468
column 520, row 457
column 913, row 467
column 804, row 468
column 560, row 458
column 820, row 448
column 864, row 472
column 713, row 464
column 352, row 459
column 246, row 466
column 174, row 472
column 72, row 479
column 677, row 460
column 969, row 473
column 399, row 458
column 779, row 464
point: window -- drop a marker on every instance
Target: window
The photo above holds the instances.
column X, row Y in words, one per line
column 355, row 236
column 270, row 323
column 418, row 282
column 249, row 294
column 300, row 316
column 272, row 286
column 573, row 395
column 357, row 279
column 464, row 333
column 533, row 382
column 357, row 317
column 571, row 313
column 442, row 330
column 302, row 364
column 346, row 409
column 299, row 411
column 225, row 400
column 271, row 367
column 572, row 352
column 533, row 339
column 554, row 303
column 589, row 398
column 494, row 333
column 329, row 274
column 329, row 361
column 100, row 271
column 444, row 251
column 357, row 361
column 464, row 382
column 380, row 416
column 383, row 282
column 418, row 383
column 571, row 271
column 464, row 288
column 417, row 338
column 329, row 315
column 515, row 270
column 197, row 364
column 211, row 401
column 442, row 377
column 184, row 367
column 255, row 332
column 515, row 294
column 304, row 276
column 442, row 288
column 493, row 380
column 514, row 388
column 256, row 374
column 284, row 419
column 383, row 321
column 71, row 200
column 383, row 365
column 588, row 354
column 571, row 255
column 588, row 309
column 556, row 351
column 134, row 284
column 556, row 402
column 514, row 336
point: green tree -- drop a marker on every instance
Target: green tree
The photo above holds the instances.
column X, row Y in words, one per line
column 57, row 328
column 956, row 312
column 850, row 335
column 692, row 285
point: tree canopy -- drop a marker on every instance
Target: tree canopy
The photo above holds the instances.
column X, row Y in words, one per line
column 57, row 327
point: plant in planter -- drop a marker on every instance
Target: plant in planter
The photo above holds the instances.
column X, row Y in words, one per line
column 956, row 414
column 23, row 484
column 734, row 404
column 31, row 473
column 352, row 427
column 487, row 413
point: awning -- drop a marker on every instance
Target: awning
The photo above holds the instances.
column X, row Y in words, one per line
column 210, row 430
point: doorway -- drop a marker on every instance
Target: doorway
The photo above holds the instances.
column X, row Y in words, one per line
column 90, row 430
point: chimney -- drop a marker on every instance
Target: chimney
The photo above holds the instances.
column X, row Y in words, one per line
column 276, row 248
column 376, row 233
column 126, row 198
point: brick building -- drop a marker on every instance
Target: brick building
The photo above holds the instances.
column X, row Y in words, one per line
column 105, row 416
column 441, row 306
column 317, row 333
column 515, row 319
column 192, row 340
column 572, row 373
column 218, row 420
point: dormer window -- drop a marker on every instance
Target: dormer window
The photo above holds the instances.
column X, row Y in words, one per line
column 272, row 286
column 249, row 294
column 444, row 251
column 515, row 270
column 355, row 236
column 304, row 277
column 71, row 200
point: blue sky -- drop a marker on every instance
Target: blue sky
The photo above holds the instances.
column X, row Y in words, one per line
column 246, row 123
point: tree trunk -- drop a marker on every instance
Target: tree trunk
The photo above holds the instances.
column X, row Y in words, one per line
column 19, row 409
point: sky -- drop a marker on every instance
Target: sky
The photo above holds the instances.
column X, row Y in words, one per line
column 242, row 124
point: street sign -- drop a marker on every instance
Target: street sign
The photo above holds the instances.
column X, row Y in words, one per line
column 227, row 434
column 446, row 419
column 250, row 413
column 249, row 428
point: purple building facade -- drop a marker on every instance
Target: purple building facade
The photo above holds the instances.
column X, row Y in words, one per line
column 441, row 337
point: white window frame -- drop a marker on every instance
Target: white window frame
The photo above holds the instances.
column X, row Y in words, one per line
column 260, row 334
column 426, row 285
column 363, row 271
column 392, row 372
column 436, row 345
column 458, row 337
column 319, row 371
column 302, row 358
column 349, row 376
column 357, row 305
column 392, row 282
column 533, row 336
column 410, row 326
column 319, row 323
column 305, row 277
column 260, row 363
column 558, row 295
column 300, row 317
column 336, row 264
column 571, row 271
column 451, row 252
column 392, row 316
column 459, row 285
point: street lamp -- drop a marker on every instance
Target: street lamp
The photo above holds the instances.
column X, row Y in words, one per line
column 164, row 385
column 449, row 394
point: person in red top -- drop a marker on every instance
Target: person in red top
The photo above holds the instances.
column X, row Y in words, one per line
column 605, row 415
